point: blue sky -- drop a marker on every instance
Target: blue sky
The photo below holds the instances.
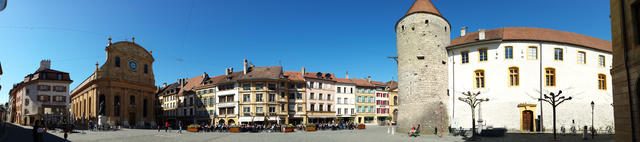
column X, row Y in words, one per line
column 189, row 37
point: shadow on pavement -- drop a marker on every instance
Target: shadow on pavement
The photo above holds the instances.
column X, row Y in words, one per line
column 536, row 137
column 22, row 134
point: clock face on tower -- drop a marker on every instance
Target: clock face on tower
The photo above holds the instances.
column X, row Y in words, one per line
column 133, row 65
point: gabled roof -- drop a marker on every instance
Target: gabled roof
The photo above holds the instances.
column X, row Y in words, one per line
column 344, row 80
column 423, row 6
column 362, row 82
column 392, row 84
column 314, row 75
column 535, row 34
column 272, row 73
column 294, row 75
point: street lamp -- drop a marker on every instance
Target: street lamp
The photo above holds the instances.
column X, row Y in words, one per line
column 554, row 100
column 592, row 129
column 441, row 119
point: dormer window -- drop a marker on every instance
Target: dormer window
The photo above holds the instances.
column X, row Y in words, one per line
column 59, row 76
column 319, row 75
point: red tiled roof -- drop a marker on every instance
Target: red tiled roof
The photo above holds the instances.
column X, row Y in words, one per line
column 344, row 80
column 362, row 82
column 294, row 75
column 315, row 75
column 423, row 6
column 536, row 34
column 392, row 84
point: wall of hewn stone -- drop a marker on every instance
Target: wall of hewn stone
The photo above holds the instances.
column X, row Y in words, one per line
column 422, row 82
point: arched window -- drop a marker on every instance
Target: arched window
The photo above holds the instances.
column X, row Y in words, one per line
column 602, row 82
column 103, row 102
column 395, row 100
column 117, row 61
column 550, row 77
column 478, row 81
column 514, row 76
column 146, row 68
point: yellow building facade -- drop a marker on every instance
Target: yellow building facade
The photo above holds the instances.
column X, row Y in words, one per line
column 122, row 89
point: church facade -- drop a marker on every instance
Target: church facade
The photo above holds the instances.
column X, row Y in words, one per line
column 122, row 89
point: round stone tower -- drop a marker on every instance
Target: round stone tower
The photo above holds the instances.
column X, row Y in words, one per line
column 423, row 34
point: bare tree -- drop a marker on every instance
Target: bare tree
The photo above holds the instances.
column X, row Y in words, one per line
column 473, row 101
column 554, row 100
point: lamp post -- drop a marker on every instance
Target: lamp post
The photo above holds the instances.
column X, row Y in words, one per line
column 592, row 129
column 554, row 100
column 441, row 119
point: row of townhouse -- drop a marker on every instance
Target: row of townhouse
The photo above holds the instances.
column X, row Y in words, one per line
column 270, row 95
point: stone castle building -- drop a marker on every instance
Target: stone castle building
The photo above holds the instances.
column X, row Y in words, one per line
column 625, row 32
column 422, row 35
column 122, row 89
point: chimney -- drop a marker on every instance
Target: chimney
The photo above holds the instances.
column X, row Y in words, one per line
column 369, row 79
column 45, row 64
column 481, row 34
column 226, row 71
column 347, row 76
column 164, row 85
column 204, row 75
column 304, row 71
column 463, row 31
column 230, row 70
column 245, row 66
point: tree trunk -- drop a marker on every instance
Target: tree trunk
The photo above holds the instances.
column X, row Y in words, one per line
column 554, row 123
column 473, row 122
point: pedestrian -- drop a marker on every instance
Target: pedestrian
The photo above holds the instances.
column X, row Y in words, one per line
column 166, row 126
column 158, row 128
column 35, row 131
column 180, row 127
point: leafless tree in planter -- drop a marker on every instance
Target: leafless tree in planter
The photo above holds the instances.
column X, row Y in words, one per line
column 473, row 101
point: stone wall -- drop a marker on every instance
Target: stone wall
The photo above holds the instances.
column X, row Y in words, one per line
column 422, row 71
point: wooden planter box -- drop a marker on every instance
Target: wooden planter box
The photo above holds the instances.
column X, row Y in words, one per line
column 310, row 129
column 362, row 126
column 287, row 130
column 234, row 130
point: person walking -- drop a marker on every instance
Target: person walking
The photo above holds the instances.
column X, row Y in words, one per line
column 166, row 126
column 180, row 127
column 35, row 131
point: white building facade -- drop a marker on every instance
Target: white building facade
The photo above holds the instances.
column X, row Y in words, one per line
column 345, row 99
column 513, row 67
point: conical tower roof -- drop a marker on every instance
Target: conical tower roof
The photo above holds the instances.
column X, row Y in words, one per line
column 423, row 6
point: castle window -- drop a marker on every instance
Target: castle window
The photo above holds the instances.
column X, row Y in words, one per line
column 557, row 54
column 582, row 57
column 550, row 77
column 601, row 60
column 478, row 81
column 403, row 28
column 532, row 53
column 482, row 53
column 514, row 76
column 426, row 22
column 420, row 57
column 602, row 82
column 508, row 52
column 465, row 56
column 117, row 61
column 445, row 28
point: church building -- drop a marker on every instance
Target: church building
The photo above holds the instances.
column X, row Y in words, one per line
column 122, row 89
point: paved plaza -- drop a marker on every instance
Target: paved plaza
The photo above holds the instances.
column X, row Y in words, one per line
column 371, row 134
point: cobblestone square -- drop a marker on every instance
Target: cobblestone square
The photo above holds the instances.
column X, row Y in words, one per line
column 372, row 133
